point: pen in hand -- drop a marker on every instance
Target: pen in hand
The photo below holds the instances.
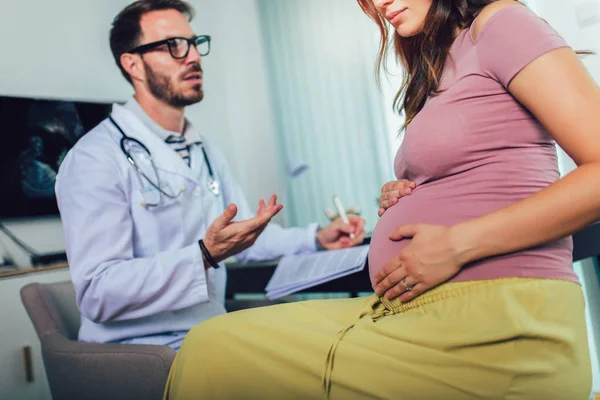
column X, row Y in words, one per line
column 342, row 212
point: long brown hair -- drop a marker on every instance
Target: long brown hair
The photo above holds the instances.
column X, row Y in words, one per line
column 424, row 55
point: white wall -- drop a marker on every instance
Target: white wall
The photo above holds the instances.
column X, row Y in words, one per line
column 62, row 52
column 562, row 16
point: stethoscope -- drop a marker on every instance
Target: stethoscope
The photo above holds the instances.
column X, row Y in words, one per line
column 213, row 184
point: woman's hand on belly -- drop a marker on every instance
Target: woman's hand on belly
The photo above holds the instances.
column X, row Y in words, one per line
column 431, row 258
column 392, row 191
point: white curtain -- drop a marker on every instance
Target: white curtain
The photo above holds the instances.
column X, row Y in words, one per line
column 328, row 109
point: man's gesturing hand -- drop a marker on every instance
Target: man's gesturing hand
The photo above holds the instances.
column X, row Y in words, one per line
column 225, row 238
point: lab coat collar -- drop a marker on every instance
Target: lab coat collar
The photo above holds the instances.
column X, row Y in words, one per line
column 189, row 133
column 164, row 157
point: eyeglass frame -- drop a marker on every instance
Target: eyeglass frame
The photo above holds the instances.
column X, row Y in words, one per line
column 191, row 41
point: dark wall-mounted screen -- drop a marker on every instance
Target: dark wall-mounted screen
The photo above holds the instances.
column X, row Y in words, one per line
column 35, row 135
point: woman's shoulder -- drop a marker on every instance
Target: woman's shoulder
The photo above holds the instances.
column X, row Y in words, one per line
column 490, row 11
column 508, row 36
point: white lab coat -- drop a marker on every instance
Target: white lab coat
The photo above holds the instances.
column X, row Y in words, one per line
column 138, row 271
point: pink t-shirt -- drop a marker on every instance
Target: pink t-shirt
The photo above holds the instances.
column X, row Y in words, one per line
column 475, row 149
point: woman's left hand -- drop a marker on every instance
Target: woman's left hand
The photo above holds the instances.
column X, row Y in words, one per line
column 430, row 259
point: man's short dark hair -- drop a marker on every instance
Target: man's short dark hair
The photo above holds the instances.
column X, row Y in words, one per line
column 126, row 31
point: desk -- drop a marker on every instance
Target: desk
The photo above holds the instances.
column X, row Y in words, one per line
column 12, row 272
column 253, row 277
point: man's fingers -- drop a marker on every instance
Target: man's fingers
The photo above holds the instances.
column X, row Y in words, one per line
column 249, row 229
column 359, row 238
column 272, row 203
column 345, row 242
column 265, row 216
column 225, row 219
column 361, row 228
column 345, row 228
column 357, row 222
column 273, row 200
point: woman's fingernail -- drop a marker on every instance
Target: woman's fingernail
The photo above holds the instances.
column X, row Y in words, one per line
column 407, row 191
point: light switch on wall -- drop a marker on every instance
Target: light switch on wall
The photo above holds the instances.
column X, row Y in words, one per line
column 587, row 13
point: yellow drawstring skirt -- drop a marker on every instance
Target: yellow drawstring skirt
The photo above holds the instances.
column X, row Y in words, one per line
column 511, row 339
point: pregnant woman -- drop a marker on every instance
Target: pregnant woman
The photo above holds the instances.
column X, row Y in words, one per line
column 476, row 297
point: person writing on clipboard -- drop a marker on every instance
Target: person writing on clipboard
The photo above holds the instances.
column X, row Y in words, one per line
column 150, row 209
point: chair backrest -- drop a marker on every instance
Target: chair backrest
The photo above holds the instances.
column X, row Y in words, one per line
column 52, row 308
column 90, row 371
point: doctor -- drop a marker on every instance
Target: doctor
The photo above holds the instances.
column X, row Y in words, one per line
column 150, row 208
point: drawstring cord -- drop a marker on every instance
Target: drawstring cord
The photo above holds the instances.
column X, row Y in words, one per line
column 376, row 315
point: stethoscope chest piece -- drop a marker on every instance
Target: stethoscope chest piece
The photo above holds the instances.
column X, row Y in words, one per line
column 214, row 187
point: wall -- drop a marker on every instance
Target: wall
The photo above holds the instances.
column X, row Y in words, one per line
column 61, row 51
column 562, row 16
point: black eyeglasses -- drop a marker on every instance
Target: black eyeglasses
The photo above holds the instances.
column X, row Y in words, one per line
column 179, row 47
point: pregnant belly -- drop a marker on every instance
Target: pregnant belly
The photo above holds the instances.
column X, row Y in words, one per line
column 427, row 205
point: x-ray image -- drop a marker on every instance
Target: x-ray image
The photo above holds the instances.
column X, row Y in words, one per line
column 36, row 135
column 53, row 128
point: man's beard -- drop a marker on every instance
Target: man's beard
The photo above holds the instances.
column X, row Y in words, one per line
column 162, row 88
